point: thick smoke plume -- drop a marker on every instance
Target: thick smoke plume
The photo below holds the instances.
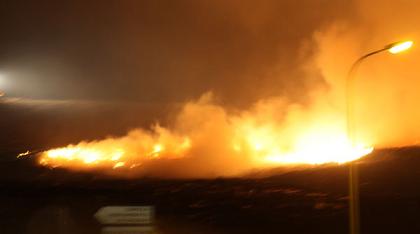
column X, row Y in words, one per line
column 386, row 90
column 206, row 139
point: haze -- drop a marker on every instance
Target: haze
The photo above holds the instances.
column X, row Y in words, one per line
column 120, row 65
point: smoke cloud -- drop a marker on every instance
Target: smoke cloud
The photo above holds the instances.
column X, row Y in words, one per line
column 210, row 137
column 386, row 96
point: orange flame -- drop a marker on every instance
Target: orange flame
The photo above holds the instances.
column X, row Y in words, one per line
column 320, row 146
column 262, row 144
column 113, row 153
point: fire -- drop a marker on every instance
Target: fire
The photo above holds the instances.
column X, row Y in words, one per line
column 118, row 164
column 263, row 145
column 205, row 137
column 157, row 149
column 113, row 154
column 84, row 155
column 323, row 144
column 24, row 154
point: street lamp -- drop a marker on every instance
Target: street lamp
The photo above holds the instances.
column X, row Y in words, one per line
column 393, row 48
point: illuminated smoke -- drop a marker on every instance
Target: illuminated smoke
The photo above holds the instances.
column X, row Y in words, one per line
column 207, row 140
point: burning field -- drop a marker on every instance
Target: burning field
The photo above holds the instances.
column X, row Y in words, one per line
column 205, row 140
column 295, row 113
column 295, row 110
column 234, row 116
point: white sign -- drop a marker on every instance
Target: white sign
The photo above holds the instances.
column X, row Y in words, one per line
column 127, row 230
column 125, row 214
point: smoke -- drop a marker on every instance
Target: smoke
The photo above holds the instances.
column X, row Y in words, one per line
column 386, row 90
column 207, row 139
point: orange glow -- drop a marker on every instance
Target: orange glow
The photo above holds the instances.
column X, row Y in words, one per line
column 118, row 164
column 317, row 145
column 157, row 149
column 206, row 137
column 115, row 154
column 400, row 47
column 23, row 154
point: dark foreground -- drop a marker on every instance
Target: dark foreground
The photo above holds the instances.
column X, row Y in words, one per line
column 37, row 200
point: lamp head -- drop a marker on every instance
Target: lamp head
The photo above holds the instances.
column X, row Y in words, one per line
column 398, row 47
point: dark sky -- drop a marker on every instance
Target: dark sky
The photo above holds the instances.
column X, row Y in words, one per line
column 142, row 56
column 159, row 50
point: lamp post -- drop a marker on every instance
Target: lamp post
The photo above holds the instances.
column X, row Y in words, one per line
column 393, row 48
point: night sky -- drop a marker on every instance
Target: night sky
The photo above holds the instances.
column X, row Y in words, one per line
column 74, row 70
column 158, row 51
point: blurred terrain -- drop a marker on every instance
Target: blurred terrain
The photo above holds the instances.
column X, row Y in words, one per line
column 305, row 200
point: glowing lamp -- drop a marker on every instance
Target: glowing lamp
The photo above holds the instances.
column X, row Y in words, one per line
column 398, row 47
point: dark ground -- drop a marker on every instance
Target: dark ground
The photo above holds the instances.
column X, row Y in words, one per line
column 39, row 200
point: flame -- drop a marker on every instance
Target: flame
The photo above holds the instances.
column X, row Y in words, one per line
column 319, row 145
column 24, row 154
column 157, row 149
column 263, row 144
column 113, row 154
column 206, row 137
column 118, row 164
